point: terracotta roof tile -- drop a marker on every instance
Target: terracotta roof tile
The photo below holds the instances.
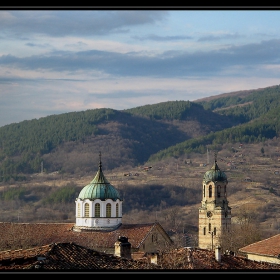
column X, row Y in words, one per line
column 267, row 247
column 68, row 256
column 27, row 235
column 202, row 259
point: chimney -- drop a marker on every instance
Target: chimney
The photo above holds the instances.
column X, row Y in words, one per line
column 123, row 247
column 218, row 253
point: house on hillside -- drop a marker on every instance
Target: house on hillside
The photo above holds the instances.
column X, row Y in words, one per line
column 98, row 225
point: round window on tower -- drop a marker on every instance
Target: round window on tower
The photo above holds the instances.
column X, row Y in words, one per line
column 209, row 214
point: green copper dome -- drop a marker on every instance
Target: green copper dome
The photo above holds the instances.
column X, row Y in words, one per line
column 214, row 174
column 99, row 188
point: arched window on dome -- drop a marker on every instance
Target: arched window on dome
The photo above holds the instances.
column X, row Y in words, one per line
column 86, row 210
column 210, row 191
column 79, row 210
column 117, row 210
column 108, row 210
column 97, row 210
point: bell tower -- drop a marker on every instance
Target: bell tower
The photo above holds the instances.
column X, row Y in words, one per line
column 214, row 213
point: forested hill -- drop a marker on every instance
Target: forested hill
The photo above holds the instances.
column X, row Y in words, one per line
column 71, row 142
column 256, row 111
column 127, row 137
column 244, row 105
column 177, row 110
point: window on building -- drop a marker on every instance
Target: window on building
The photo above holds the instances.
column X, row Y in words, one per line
column 210, row 191
column 203, row 190
column 108, row 210
column 215, row 231
column 86, row 210
column 117, row 210
column 204, row 230
column 219, row 191
column 209, row 227
column 97, row 210
column 154, row 237
column 79, row 210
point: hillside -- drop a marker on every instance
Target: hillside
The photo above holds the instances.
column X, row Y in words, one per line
column 45, row 162
column 170, row 189
column 68, row 142
column 143, row 134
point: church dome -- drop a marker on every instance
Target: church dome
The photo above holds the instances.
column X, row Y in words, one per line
column 99, row 188
column 214, row 174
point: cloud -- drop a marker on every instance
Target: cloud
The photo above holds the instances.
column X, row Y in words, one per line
column 61, row 23
column 219, row 37
column 56, row 61
column 162, row 38
column 166, row 64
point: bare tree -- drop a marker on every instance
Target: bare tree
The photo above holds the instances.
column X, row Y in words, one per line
column 245, row 231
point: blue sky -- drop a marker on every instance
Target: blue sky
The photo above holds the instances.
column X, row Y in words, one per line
column 57, row 61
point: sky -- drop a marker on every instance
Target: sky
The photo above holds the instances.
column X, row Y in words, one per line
column 54, row 61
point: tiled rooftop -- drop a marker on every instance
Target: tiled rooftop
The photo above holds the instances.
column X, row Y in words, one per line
column 27, row 235
column 22, row 243
column 67, row 256
column 202, row 259
column 266, row 247
column 72, row 257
